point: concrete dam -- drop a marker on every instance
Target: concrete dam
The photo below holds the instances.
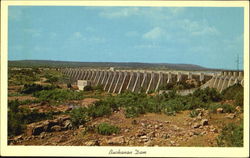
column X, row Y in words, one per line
column 118, row 81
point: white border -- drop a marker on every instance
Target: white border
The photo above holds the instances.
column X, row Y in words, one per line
column 103, row 151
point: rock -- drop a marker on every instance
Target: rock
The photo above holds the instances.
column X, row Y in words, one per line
column 92, row 143
column 204, row 122
column 166, row 136
column 126, row 130
column 191, row 134
column 67, row 124
column 203, row 133
column 238, row 108
column 42, row 135
column 20, row 137
column 160, row 125
column 143, row 124
column 219, row 110
column 214, row 130
column 172, row 142
column 134, row 122
column 199, row 117
column 140, row 133
column 156, row 127
column 56, row 128
column 196, row 125
column 34, row 130
column 152, row 134
column 231, row 116
column 200, row 114
column 148, row 143
column 175, row 128
column 144, row 137
column 167, row 121
column 196, row 133
column 116, row 140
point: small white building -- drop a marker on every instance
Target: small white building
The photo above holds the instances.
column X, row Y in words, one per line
column 83, row 83
column 112, row 69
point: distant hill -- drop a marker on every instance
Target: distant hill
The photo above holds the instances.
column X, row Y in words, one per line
column 121, row 65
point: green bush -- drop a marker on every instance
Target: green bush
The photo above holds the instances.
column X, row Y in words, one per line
column 79, row 116
column 231, row 136
column 239, row 99
column 107, row 129
column 32, row 88
column 227, row 108
column 207, row 95
column 232, row 91
column 88, row 88
column 132, row 111
column 23, row 76
column 213, row 107
column 194, row 103
column 98, row 88
column 58, row 95
column 99, row 110
column 19, row 117
column 177, row 86
column 193, row 113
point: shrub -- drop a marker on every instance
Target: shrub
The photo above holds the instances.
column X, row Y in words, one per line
column 79, row 116
column 231, row 135
column 194, row 103
column 231, row 92
column 213, row 107
column 58, row 95
column 239, row 99
column 193, row 113
column 131, row 111
column 15, row 124
column 227, row 108
column 88, row 88
column 107, row 129
column 98, row 88
column 99, row 110
column 19, row 117
column 31, row 88
column 207, row 95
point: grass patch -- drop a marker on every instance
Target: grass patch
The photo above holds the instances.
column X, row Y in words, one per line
column 58, row 95
column 107, row 129
column 231, row 135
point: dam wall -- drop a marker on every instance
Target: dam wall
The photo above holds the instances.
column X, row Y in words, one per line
column 118, row 81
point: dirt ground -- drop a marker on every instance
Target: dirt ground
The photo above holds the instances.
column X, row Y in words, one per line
column 146, row 130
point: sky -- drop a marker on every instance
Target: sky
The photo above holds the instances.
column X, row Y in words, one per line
column 207, row 36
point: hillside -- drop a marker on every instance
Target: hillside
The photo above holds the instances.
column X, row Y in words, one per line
column 126, row 65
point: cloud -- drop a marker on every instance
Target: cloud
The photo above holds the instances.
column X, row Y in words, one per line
column 197, row 28
column 155, row 33
column 119, row 12
column 177, row 10
column 147, row 46
column 79, row 37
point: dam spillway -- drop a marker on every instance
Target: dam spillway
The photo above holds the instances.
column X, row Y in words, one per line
column 118, row 81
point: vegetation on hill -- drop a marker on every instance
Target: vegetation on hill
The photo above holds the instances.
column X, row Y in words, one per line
column 127, row 65
column 133, row 104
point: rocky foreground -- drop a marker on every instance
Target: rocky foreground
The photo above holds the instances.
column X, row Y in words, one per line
column 147, row 130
